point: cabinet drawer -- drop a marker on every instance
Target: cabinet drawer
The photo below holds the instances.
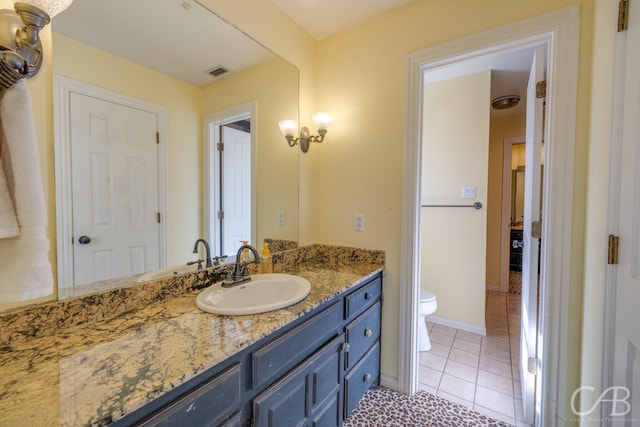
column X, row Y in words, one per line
column 279, row 356
column 362, row 333
column 361, row 378
column 358, row 301
column 207, row 405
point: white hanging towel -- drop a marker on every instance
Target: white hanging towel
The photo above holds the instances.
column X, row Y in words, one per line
column 25, row 270
column 8, row 221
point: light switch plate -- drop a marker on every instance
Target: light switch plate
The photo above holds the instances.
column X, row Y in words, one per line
column 281, row 218
column 469, row 193
column 359, row 222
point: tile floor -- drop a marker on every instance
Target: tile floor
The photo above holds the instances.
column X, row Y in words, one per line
column 479, row 372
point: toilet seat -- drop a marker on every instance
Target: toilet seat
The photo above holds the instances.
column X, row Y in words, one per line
column 427, row 296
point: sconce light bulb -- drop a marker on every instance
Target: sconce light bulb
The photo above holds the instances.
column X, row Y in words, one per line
column 322, row 120
column 288, row 127
column 52, row 7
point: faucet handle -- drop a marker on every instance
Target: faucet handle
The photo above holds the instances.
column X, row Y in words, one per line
column 199, row 262
column 216, row 260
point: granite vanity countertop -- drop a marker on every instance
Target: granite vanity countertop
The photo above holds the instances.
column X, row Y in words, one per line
column 96, row 373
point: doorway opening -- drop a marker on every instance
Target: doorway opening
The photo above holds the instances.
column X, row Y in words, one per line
column 557, row 32
column 229, row 202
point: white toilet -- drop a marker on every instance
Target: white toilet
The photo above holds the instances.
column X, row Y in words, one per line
column 428, row 305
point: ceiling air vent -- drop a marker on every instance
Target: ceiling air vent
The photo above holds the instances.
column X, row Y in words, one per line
column 218, row 71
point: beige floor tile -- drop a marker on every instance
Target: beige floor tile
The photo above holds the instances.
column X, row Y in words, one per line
column 455, row 399
column 440, row 338
column 495, row 367
column 440, row 349
column 495, row 382
column 493, row 353
column 468, row 346
column 427, row 388
column 432, row 361
column 495, row 401
column 429, row 326
column 462, row 371
column 464, row 357
column 457, row 387
column 445, row 330
column 429, row 377
column 469, row 336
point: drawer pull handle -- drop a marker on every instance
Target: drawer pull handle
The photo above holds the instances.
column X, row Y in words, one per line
column 346, row 347
column 368, row 296
column 368, row 332
column 367, row 378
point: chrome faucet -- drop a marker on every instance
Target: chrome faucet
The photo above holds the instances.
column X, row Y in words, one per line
column 240, row 271
column 207, row 253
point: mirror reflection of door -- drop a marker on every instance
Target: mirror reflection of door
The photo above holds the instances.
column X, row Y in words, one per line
column 235, row 191
column 114, row 162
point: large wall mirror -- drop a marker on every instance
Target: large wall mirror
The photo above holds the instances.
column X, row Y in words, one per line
column 165, row 54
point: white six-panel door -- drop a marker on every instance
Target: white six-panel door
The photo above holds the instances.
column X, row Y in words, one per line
column 529, row 314
column 114, row 158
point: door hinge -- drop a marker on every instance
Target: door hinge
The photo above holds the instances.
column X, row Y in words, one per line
column 623, row 15
column 612, row 252
column 220, row 146
column 532, row 365
column 220, row 214
column 157, row 137
column 541, row 89
column 158, row 217
column 536, row 229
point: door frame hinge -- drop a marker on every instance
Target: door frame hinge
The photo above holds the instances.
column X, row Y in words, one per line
column 612, row 250
column 532, row 365
column 220, row 146
column 220, row 214
column 623, row 15
column 159, row 217
column 157, row 137
column 536, row 229
column 541, row 89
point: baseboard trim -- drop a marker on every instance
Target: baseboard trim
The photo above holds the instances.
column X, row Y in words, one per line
column 463, row 326
column 389, row 382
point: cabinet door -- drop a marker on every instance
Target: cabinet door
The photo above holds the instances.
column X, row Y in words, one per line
column 364, row 375
column 310, row 395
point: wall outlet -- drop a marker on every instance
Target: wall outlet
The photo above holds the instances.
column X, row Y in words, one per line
column 469, row 193
column 359, row 222
column 281, row 218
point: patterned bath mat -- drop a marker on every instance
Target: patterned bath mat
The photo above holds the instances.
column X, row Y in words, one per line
column 382, row 407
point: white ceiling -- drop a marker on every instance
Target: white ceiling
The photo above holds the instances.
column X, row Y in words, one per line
column 323, row 18
column 176, row 37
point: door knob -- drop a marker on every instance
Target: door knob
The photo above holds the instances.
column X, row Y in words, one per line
column 83, row 240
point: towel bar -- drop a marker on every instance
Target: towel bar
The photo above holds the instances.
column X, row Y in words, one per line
column 476, row 205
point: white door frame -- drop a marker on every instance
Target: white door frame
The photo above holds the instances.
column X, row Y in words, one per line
column 210, row 159
column 62, row 89
column 559, row 31
column 505, row 235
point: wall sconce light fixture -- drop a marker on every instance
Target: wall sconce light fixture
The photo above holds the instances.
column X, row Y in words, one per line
column 289, row 128
column 20, row 47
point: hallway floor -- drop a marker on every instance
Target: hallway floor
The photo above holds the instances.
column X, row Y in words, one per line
column 478, row 372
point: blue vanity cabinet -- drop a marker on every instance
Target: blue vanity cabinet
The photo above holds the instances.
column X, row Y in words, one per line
column 312, row 372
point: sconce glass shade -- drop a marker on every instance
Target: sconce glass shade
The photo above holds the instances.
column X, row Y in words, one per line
column 52, row 7
column 322, row 120
column 288, row 127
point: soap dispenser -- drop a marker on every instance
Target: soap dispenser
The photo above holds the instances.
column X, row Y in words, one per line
column 245, row 256
column 266, row 262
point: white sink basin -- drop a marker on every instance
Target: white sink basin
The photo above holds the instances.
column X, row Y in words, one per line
column 167, row 272
column 265, row 292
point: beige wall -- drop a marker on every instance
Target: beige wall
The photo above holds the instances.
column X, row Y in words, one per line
column 359, row 76
column 500, row 128
column 183, row 102
column 275, row 101
column 455, row 152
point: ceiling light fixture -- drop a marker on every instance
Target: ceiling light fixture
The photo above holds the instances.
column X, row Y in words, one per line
column 20, row 47
column 504, row 102
column 289, row 128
